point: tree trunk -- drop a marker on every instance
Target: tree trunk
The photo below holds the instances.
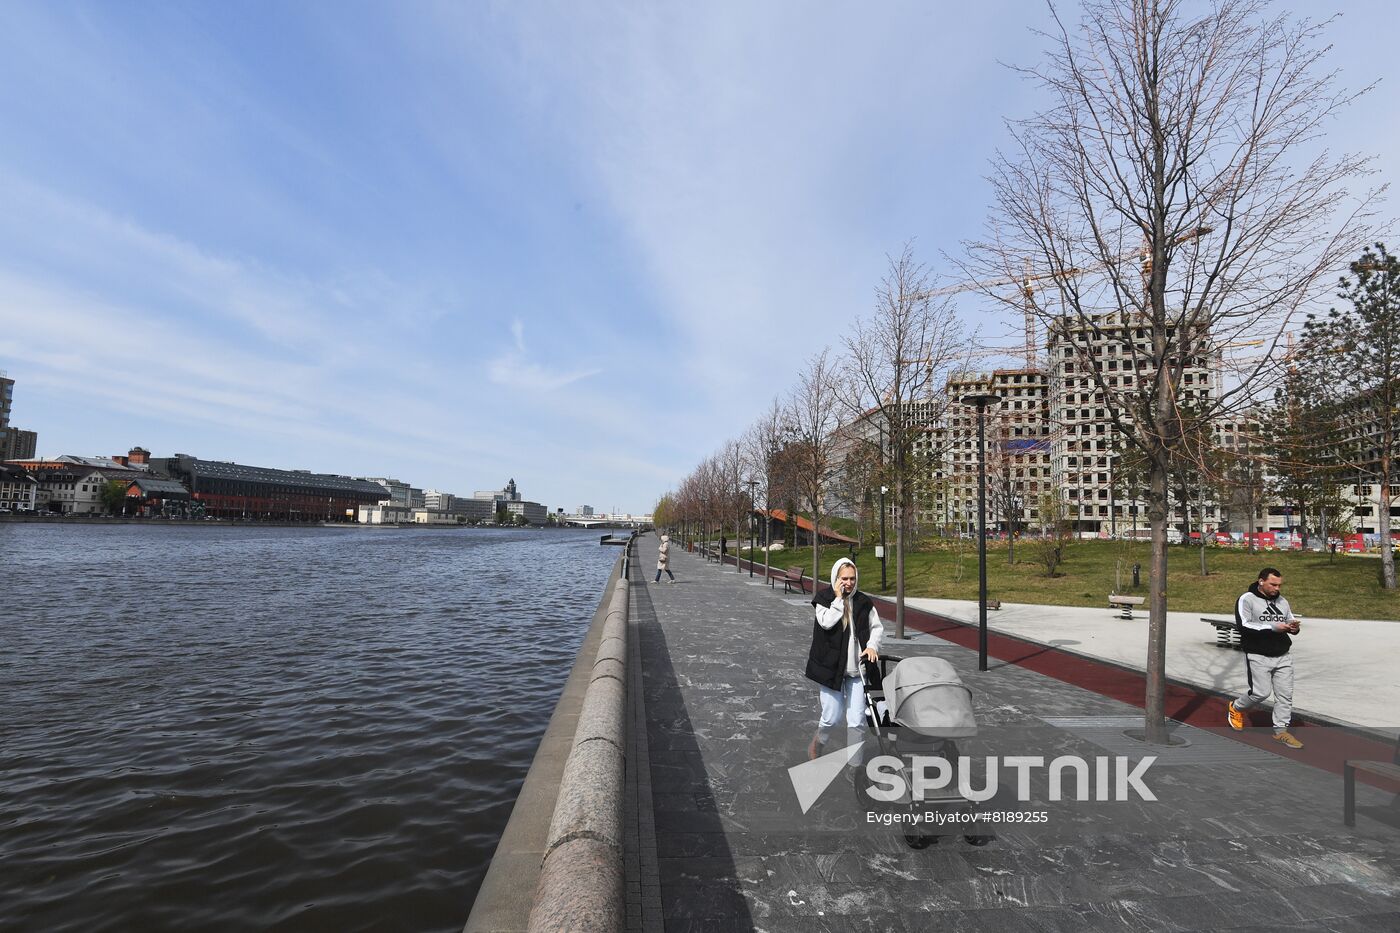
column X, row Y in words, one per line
column 1201, row 510
column 1387, row 549
column 1155, row 724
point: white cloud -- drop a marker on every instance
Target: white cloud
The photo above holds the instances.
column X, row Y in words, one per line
column 513, row 369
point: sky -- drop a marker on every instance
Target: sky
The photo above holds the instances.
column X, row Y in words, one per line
column 581, row 245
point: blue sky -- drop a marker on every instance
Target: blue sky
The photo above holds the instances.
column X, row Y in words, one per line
column 575, row 244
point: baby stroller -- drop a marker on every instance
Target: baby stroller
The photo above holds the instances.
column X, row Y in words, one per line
column 921, row 708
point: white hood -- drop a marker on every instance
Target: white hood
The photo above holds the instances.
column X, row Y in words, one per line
column 836, row 568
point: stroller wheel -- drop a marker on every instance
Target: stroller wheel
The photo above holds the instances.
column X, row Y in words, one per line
column 919, row 842
column 978, row 840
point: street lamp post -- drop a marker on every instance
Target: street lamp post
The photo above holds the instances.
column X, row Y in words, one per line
column 751, row 483
column 981, row 402
column 883, row 490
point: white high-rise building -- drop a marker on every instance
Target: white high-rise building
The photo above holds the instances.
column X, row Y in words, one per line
column 1084, row 447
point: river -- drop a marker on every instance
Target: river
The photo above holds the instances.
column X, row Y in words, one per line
column 277, row 728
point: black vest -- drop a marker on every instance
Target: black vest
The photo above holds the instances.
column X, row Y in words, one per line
column 826, row 662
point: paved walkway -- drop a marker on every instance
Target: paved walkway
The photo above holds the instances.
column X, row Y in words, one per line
column 1345, row 668
column 1239, row 837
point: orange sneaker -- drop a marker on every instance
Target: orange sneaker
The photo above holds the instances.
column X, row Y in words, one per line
column 1287, row 738
column 816, row 748
column 1235, row 717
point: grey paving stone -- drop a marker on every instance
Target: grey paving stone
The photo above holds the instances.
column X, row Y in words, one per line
column 1228, row 844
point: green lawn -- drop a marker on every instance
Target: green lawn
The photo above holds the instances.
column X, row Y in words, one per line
column 1348, row 587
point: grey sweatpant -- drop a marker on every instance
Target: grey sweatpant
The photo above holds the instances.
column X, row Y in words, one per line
column 1266, row 676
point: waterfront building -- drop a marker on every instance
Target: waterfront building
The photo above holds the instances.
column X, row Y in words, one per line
column 75, row 489
column 534, row 513
column 473, row 510
column 381, row 514
column 515, row 504
column 7, row 399
column 233, row 490
column 151, row 495
column 19, row 490
column 437, row 501
column 399, row 493
column 508, row 494
column 14, row 443
column 434, row 517
column 19, row 445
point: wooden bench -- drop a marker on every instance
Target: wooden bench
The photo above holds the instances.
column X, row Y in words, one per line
column 1227, row 634
column 1390, row 770
column 1125, row 603
column 793, row 577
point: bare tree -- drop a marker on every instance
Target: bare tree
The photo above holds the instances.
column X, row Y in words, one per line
column 812, row 416
column 1162, row 200
column 762, row 443
column 860, row 473
column 1006, row 486
column 1056, row 532
column 733, row 469
column 895, row 365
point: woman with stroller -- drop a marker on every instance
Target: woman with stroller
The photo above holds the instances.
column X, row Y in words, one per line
column 845, row 632
column 663, row 559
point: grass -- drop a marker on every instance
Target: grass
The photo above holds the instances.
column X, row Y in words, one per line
column 1348, row 587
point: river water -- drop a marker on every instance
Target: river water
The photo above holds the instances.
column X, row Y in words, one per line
column 277, row 728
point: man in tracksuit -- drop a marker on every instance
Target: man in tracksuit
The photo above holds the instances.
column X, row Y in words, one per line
column 1265, row 622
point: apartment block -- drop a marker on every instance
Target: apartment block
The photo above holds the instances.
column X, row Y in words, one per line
column 1084, row 441
column 1018, row 435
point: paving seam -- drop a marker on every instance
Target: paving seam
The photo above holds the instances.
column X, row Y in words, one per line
column 643, row 875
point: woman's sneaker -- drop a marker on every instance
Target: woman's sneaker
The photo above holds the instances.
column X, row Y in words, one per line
column 1287, row 738
column 1235, row 717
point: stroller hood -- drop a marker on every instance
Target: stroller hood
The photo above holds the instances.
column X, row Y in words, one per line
column 927, row 696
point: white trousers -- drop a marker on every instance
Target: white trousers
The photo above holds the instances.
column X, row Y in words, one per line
column 1266, row 676
column 847, row 703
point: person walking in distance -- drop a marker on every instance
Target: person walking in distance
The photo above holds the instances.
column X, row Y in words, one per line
column 1266, row 621
column 663, row 559
column 846, row 631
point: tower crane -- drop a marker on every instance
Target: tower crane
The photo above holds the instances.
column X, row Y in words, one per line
column 1030, row 281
